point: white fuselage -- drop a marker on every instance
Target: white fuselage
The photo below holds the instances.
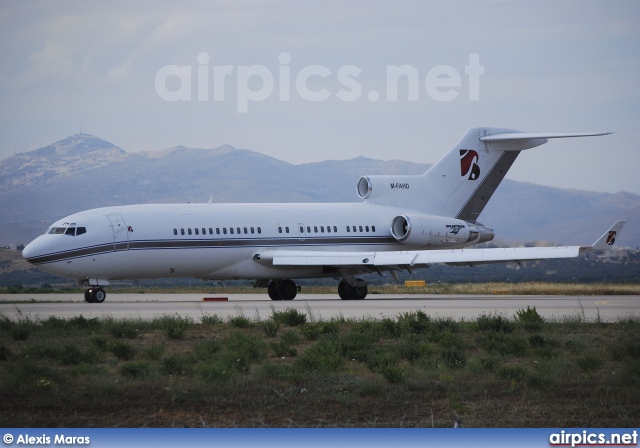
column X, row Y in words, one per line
column 218, row 241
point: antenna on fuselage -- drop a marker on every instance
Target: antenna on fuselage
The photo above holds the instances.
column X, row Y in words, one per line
column 210, row 200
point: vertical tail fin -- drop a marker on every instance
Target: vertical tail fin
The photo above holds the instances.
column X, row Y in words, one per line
column 462, row 182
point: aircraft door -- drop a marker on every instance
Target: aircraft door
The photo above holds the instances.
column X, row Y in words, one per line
column 120, row 232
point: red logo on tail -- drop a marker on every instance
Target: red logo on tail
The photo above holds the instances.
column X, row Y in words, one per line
column 611, row 238
column 468, row 164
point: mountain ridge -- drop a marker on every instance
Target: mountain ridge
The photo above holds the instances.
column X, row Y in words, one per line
column 35, row 188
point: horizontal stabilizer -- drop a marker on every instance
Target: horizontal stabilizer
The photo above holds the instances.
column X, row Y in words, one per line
column 518, row 141
column 535, row 135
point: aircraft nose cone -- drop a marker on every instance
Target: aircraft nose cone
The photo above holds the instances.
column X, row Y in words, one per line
column 36, row 248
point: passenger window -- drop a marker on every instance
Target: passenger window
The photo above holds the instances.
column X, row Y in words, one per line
column 373, row 228
column 175, row 231
column 81, row 230
column 189, row 230
column 181, row 231
column 224, row 230
column 259, row 230
column 231, row 230
column 301, row 229
column 279, row 229
column 286, row 229
column 308, row 229
column 335, row 229
column 367, row 228
column 252, row 230
column 322, row 229
column 348, row 229
column 197, row 232
column 360, row 227
column 71, row 231
column 328, row 229
column 245, row 230
column 217, row 230
column 315, row 229
column 354, row 228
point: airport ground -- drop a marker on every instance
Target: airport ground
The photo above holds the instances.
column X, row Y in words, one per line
column 172, row 360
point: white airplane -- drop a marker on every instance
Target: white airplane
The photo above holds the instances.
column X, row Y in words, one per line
column 403, row 223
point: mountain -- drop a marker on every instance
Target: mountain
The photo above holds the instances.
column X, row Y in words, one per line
column 83, row 172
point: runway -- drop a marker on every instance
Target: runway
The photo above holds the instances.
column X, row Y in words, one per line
column 319, row 306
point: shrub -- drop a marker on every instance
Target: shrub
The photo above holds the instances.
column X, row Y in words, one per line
column 290, row 317
column 502, row 344
column 123, row 350
column 240, row 322
column 415, row 322
column 529, row 319
column 322, row 357
column 240, row 345
column 494, row 323
column 122, row 328
column 270, row 328
column 174, row 365
column 393, row 374
column 590, row 363
column 175, row 327
column 136, row 369
column 453, row 358
column 211, row 319
column 313, row 331
column 71, row 355
column 155, row 352
column 5, row 353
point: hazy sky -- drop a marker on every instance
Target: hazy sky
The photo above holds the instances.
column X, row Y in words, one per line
column 308, row 81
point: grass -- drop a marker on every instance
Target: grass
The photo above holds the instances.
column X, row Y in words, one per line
column 293, row 370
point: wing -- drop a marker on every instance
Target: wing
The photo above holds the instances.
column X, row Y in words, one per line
column 407, row 260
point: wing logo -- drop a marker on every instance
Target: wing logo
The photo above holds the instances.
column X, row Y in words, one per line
column 611, row 238
column 468, row 164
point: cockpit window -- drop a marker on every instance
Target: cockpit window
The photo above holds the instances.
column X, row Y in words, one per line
column 72, row 231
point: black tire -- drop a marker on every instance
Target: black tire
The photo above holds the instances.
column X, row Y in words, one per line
column 87, row 296
column 348, row 292
column 287, row 289
column 98, row 295
column 272, row 290
column 342, row 290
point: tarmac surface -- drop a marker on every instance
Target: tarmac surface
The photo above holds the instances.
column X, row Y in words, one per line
column 320, row 306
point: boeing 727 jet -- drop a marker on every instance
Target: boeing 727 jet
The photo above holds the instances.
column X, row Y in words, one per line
column 402, row 223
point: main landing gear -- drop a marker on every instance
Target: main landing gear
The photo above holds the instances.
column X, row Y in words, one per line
column 287, row 290
column 282, row 290
column 95, row 294
column 348, row 292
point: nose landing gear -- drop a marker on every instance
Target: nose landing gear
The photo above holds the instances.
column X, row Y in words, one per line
column 95, row 295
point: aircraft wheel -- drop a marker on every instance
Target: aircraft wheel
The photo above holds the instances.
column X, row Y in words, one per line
column 358, row 292
column 287, row 289
column 348, row 292
column 342, row 290
column 87, row 296
column 97, row 295
column 272, row 290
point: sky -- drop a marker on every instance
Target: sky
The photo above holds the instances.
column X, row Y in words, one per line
column 309, row 81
